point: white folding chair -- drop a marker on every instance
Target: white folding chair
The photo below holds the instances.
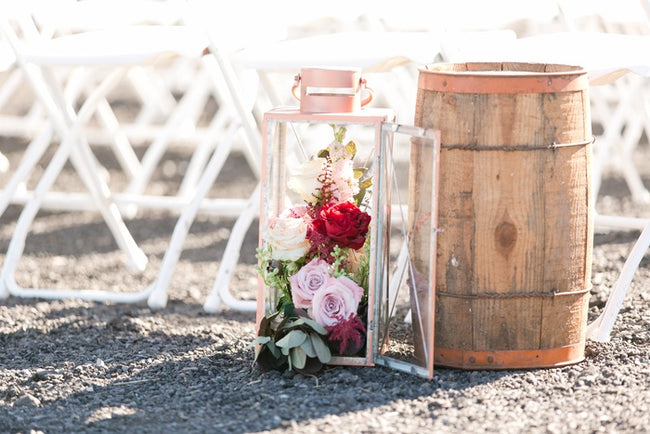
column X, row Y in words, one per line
column 620, row 106
column 138, row 45
column 600, row 329
column 233, row 115
column 226, row 76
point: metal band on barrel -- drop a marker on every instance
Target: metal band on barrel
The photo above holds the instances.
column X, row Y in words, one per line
column 510, row 359
column 493, row 82
column 515, row 295
column 552, row 146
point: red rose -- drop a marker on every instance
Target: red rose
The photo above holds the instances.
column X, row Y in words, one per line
column 345, row 224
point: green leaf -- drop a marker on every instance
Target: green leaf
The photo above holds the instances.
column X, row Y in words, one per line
column 314, row 325
column 295, row 323
column 339, row 133
column 274, row 349
column 287, row 307
column 322, row 350
column 308, row 348
column 293, row 339
column 366, row 183
column 298, row 358
column 261, row 340
column 351, row 148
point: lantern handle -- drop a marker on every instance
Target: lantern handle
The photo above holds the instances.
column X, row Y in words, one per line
column 362, row 83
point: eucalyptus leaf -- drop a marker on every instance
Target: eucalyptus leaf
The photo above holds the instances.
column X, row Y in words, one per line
column 293, row 339
column 322, row 350
column 274, row 349
column 308, row 348
column 295, row 323
column 261, row 340
column 298, row 358
column 314, row 325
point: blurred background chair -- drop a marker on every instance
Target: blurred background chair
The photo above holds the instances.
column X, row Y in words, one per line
column 186, row 64
column 81, row 68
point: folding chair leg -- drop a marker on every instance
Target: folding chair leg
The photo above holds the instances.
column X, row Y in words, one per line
column 601, row 328
column 4, row 164
column 158, row 297
column 202, row 153
column 75, row 148
column 33, row 154
column 220, row 291
column 135, row 257
column 120, row 143
column 155, row 152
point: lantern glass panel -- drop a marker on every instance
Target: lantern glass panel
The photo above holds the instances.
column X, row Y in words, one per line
column 405, row 250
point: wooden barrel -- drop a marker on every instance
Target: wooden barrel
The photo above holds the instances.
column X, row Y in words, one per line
column 515, row 211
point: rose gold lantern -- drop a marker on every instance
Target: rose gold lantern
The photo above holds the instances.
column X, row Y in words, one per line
column 334, row 270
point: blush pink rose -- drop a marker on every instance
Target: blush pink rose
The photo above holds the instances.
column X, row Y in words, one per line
column 336, row 301
column 307, row 281
column 286, row 237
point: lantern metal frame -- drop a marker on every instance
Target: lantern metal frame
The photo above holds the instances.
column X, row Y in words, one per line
column 277, row 125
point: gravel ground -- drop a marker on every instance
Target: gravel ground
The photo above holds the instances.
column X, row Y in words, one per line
column 76, row 366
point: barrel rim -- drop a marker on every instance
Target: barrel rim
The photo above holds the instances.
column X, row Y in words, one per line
column 523, row 77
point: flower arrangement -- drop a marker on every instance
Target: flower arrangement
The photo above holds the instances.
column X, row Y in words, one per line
column 315, row 262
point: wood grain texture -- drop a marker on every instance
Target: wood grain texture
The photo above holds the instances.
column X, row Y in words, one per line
column 517, row 217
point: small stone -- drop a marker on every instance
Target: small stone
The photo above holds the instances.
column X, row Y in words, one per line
column 41, row 376
column 440, row 403
column 27, row 400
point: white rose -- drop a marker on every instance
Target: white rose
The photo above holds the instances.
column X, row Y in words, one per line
column 286, row 237
column 304, row 180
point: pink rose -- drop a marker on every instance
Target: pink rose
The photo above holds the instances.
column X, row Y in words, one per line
column 309, row 279
column 335, row 301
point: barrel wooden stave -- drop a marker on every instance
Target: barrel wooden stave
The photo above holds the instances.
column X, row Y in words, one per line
column 516, row 217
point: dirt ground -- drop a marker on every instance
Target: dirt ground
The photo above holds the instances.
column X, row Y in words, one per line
column 79, row 366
